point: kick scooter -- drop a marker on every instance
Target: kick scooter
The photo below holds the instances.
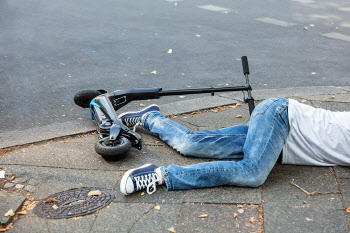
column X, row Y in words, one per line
column 115, row 139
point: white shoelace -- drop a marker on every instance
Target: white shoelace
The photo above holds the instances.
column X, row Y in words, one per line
column 132, row 121
column 148, row 181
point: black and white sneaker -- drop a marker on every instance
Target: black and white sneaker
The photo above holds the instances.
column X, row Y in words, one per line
column 140, row 178
column 132, row 119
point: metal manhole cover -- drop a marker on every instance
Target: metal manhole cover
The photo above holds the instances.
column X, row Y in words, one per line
column 73, row 203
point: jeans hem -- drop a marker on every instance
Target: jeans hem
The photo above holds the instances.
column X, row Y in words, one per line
column 165, row 175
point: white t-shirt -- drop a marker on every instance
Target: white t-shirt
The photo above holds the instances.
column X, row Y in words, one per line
column 317, row 137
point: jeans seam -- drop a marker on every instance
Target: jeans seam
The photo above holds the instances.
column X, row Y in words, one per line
column 280, row 109
column 267, row 106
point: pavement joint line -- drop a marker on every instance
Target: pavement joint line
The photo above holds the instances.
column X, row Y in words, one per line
column 340, row 195
column 144, row 214
column 262, row 208
column 49, row 140
column 81, row 169
column 180, row 209
column 92, row 225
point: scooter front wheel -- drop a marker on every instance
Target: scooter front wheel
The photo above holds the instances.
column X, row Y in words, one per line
column 113, row 149
column 83, row 98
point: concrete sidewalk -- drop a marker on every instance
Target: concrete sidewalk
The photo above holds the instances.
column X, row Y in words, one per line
column 47, row 160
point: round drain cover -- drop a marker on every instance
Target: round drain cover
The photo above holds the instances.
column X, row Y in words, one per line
column 73, row 203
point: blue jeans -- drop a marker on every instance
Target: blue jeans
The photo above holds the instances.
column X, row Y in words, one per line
column 256, row 145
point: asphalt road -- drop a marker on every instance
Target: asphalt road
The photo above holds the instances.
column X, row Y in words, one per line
column 49, row 50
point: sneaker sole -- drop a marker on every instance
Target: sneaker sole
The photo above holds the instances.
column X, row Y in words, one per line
column 125, row 177
column 123, row 114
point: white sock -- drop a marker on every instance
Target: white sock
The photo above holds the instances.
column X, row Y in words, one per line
column 159, row 173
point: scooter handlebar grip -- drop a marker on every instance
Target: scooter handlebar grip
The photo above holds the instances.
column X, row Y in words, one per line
column 245, row 65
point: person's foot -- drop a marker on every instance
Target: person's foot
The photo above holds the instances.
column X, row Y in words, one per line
column 144, row 177
column 132, row 119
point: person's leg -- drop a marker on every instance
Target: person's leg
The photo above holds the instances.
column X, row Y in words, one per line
column 224, row 143
column 267, row 132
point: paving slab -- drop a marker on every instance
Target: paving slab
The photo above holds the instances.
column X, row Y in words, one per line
column 9, row 201
column 9, row 185
column 288, row 92
column 192, row 105
column 79, row 224
column 161, row 196
column 332, row 106
column 15, row 138
column 61, row 153
column 217, row 120
column 224, row 194
column 288, row 209
column 30, row 224
column 55, row 180
column 220, row 218
column 345, row 98
column 342, row 172
column 344, row 186
column 19, row 186
column 132, row 217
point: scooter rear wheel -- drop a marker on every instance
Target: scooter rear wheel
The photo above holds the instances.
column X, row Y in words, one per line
column 113, row 149
column 83, row 98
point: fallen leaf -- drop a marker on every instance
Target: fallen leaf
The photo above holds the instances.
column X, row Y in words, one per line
column 332, row 97
column 235, row 215
column 3, row 229
column 9, row 226
column 142, row 105
column 239, row 104
column 157, row 207
column 182, row 96
column 143, row 193
column 203, row 216
column 50, row 200
column 170, row 51
column 22, row 212
column 241, row 211
column 154, row 72
column 347, row 210
column 239, row 116
column 306, row 28
column 240, row 206
column 173, row 117
column 252, row 220
column 95, row 193
column 309, row 219
column 172, row 229
column 9, row 213
column 55, row 207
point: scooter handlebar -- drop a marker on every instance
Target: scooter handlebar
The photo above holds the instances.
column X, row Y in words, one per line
column 245, row 65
